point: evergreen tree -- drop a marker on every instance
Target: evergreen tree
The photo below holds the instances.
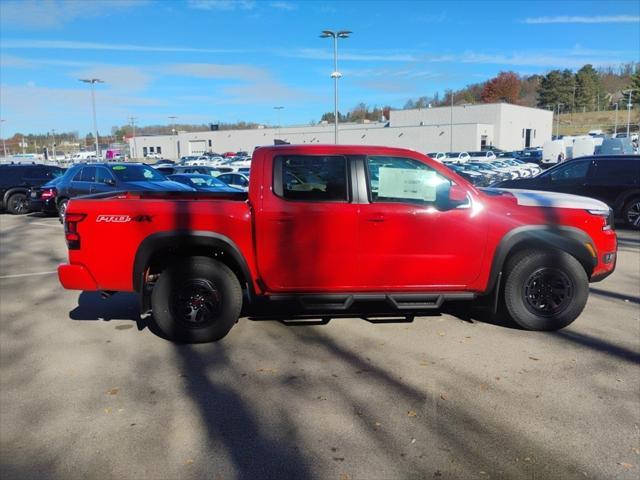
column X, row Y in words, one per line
column 589, row 93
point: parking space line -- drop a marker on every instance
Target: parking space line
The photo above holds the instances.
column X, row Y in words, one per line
column 18, row 275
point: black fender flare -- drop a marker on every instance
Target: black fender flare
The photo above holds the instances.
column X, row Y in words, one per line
column 180, row 239
column 569, row 239
column 11, row 191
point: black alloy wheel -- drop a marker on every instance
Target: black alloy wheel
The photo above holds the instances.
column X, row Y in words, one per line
column 18, row 204
column 547, row 292
column 632, row 213
column 196, row 304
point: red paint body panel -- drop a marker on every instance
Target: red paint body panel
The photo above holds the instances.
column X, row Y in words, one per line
column 295, row 246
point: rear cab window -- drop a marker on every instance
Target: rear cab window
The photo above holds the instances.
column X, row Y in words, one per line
column 313, row 178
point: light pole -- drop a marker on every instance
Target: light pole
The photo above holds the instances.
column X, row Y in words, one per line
column 132, row 121
column 173, row 130
column 279, row 110
column 92, row 82
column 451, row 124
column 336, row 74
column 629, row 109
column 558, row 121
column 615, row 128
column 53, row 134
column 4, row 145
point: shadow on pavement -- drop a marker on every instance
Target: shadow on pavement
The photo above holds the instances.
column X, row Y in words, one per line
column 599, row 344
column 618, row 296
column 120, row 306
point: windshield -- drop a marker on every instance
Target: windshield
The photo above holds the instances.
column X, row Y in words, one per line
column 136, row 173
column 206, row 181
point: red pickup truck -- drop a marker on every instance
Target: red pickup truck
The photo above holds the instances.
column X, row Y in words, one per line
column 329, row 230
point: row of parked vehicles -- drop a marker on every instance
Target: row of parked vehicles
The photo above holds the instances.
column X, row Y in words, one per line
column 613, row 179
column 48, row 189
column 486, row 168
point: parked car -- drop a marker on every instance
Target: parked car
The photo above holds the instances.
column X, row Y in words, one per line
column 532, row 156
column 16, row 180
column 203, row 183
column 438, row 156
column 496, row 173
column 417, row 238
column 85, row 179
column 615, row 146
column 458, row 156
column 43, row 199
column 482, row 155
column 236, row 180
column 614, row 180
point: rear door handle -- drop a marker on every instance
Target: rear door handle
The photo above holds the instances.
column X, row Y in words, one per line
column 376, row 219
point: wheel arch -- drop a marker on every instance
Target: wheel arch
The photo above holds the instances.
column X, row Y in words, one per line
column 160, row 249
column 568, row 239
column 622, row 200
column 11, row 191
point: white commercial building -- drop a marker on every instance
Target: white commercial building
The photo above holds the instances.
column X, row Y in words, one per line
column 441, row 129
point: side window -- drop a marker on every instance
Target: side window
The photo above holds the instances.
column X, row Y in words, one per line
column 616, row 172
column 88, row 174
column 311, row 178
column 570, row 172
column 78, row 176
column 242, row 181
column 399, row 179
column 102, row 175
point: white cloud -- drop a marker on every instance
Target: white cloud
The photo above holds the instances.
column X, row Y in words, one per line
column 56, row 13
column 327, row 54
column 224, row 5
column 74, row 45
column 283, row 5
column 583, row 19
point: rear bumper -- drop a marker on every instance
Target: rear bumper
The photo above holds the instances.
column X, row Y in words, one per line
column 76, row 277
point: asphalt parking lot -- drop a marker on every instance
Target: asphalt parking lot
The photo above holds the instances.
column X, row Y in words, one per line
column 87, row 391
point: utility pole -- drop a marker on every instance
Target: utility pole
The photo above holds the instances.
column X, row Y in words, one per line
column 4, row 145
column 132, row 122
column 279, row 110
column 53, row 134
column 336, row 74
column 615, row 128
column 92, row 82
column 629, row 110
column 573, row 101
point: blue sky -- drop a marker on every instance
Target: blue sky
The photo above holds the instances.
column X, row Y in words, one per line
column 223, row 60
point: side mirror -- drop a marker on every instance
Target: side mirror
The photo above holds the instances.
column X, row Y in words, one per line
column 454, row 196
column 457, row 194
column 110, row 181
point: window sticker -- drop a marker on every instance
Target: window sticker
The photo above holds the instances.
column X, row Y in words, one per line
column 118, row 167
column 409, row 183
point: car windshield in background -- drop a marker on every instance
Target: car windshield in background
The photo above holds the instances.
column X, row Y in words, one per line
column 136, row 173
column 453, row 154
column 206, row 181
column 478, row 154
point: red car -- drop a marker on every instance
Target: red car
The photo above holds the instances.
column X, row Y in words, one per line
column 329, row 230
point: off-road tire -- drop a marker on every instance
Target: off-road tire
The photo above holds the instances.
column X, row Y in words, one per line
column 544, row 290
column 196, row 300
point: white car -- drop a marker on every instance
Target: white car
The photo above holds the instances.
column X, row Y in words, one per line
column 237, row 180
column 459, row 157
column 483, row 155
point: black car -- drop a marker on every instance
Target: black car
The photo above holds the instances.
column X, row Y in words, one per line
column 85, row 179
column 16, row 180
column 43, row 198
column 614, row 180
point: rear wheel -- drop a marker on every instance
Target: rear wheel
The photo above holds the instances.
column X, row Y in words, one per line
column 196, row 300
column 631, row 213
column 62, row 208
column 545, row 290
column 18, row 204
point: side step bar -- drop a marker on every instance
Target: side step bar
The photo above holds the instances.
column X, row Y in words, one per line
column 397, row 301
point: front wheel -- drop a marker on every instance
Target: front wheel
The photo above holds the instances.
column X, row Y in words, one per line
column 196, row 300
column 545, row 290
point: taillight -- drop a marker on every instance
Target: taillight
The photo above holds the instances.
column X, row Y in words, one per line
column 71, row 234
column 48, row 193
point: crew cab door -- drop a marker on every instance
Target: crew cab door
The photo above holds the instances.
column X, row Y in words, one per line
column 410, row 237
column 306, row 225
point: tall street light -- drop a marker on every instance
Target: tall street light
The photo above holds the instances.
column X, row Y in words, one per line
column 336, row 74
column 615, row 128
column 92, row 82
column 174, row 131
column 279, row 110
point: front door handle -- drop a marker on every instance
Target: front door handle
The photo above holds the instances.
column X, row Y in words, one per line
column 376, row 219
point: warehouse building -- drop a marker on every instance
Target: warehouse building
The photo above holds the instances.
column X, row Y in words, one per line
column 441, row 129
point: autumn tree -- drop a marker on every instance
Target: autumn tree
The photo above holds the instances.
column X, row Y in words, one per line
column 503, row 88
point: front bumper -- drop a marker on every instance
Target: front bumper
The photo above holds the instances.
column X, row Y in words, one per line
column 76, row 277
